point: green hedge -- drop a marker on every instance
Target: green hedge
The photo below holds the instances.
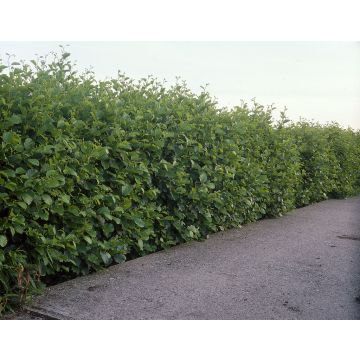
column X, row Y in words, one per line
column 92, row 173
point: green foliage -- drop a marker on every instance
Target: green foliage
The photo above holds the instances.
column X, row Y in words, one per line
column 92, row 173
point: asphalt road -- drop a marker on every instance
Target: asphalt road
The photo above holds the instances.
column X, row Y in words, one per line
column 305, row 265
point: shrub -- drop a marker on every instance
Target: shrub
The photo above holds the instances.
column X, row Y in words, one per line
column 94, row 172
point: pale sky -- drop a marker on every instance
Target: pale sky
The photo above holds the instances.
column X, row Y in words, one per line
column 314, row 80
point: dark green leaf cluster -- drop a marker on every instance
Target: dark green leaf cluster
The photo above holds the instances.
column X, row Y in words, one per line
column 92, row 173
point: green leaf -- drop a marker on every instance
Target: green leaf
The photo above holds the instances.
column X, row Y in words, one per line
column 127, row 203
column 47, row 199
column 22, row 205
column 88, row 239
column 8, row 173
column 119, row 258
column 28, row 143
column 11, row 138
column 103, row 211
column 51, row 173
column 7, row 136
column 117, row 220
column 57, row 209
column 3, row 240
column 43, row 214
column 34, row 162
column 27, row 198
column 65, row 198
column 108, row 228
column 126, row 189
column 139, row 222
column 74, row 210
column 61, row 123
column 141, row 244
column 203, row 177
column 52, row 183
column 3, row 196
column 106, row 257
column 15, row 120
column 20, row 170
column 10, row 185
column 70, row 171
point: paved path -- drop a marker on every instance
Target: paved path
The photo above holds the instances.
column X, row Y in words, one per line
column 304, row 265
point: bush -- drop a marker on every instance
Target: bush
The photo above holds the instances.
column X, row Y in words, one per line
column 92, row 173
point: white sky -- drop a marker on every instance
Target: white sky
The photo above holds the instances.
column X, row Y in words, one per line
column 314, row 80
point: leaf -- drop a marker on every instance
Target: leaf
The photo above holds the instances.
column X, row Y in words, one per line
column 51, row 173
column 7, row 136
column 28, row 143
column 57, row 209
column 104, row 211
column 65, row 198
column 20, row 170
column 52, row 183
column 34, row 162
column 126, row 189
column 10, row 185
column 139, row 222
column 119, row 258
column 8, row 173
column 127, row 203
column 43, row 214
column 141, row 244
column 73, row 210
column 106, row 257
column 117, row 220
column 15, row 120
column 70, row 171
column 19, row 219
column 3, row 240
column 108, row 228
column 11, row 138
column 3, row 196
column 88, row 239
column 27, row 198
column 203, row 177
column 61, row 123
column 22, row 205
column 47, row 199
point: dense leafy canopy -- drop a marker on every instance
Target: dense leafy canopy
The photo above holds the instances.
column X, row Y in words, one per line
column 92, row 173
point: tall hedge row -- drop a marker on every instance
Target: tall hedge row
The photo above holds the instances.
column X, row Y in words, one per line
column 93, row 173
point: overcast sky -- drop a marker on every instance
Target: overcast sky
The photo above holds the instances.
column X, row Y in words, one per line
column 314, row 80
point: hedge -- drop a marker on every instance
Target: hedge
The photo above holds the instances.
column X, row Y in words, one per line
column 96, row 172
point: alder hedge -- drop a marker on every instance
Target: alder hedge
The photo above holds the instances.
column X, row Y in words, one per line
column 96, row 172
